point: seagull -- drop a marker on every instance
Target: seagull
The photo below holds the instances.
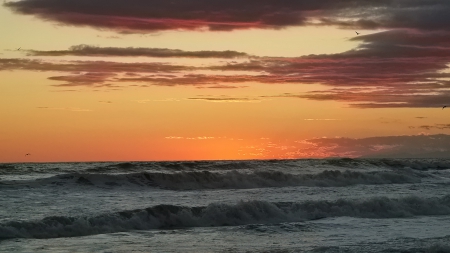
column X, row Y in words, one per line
column 444, row 107
column 357, row 33
column 27, row 154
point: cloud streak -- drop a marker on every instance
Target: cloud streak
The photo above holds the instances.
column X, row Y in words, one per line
column 226, row 99
column 72, row 109
column 321, row 119
column 390, row 69
column 190, row 138
column 91, row 66
column 436, row 126
column 87, row 50
column 407, row 146
column 96, row 79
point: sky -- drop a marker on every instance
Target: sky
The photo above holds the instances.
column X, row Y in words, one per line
column 141, row 80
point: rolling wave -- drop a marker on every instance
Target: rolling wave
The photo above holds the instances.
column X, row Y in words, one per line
column 127, row 167
column 219, row 214
column 194, row 180
column 415, row 164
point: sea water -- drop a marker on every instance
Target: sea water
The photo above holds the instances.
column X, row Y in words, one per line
column 329, row 205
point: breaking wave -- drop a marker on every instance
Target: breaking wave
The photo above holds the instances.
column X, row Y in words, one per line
column 193, row 180
column 127, row 167
column 415, row 164
column 219, row 214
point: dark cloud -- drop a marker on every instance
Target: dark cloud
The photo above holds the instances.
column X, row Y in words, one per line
column 91, row 66
column 402, row 43
column 393, row 98
column 393, row 58
column 91, row 73
column 226, row 15
column 141, row 15
column 436, row 126
column 414, row 14
column 390, row 69
column 84, row 79
column 408, row 146
column 86, row 50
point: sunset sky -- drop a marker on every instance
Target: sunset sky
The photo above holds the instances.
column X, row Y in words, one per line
column 137, row 80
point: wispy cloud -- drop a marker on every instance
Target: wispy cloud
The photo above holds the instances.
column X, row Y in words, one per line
column 174, row 137
column 403, row 146
column 435, row 126
column 143, row 101
column 84, row 79
column 198, row 80
column 87, row 50
column 91, row 66
column 321, row 119
column 190, row 138
column 390, row 69
column 167, row 100
column 72, row 109
column 383, row 98
column 407, row 146
column 226, row 99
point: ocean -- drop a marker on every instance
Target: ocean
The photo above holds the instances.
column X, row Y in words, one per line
column 307, row 205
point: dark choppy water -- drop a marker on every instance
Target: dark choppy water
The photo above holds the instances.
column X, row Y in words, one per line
column 332, row 205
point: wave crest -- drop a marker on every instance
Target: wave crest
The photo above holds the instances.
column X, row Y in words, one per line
column 219, row 214
column 415, row 164
column 193, row 180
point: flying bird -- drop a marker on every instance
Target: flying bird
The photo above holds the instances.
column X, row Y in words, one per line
column 27, row 154
column 19, row 48
column 444, row 107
